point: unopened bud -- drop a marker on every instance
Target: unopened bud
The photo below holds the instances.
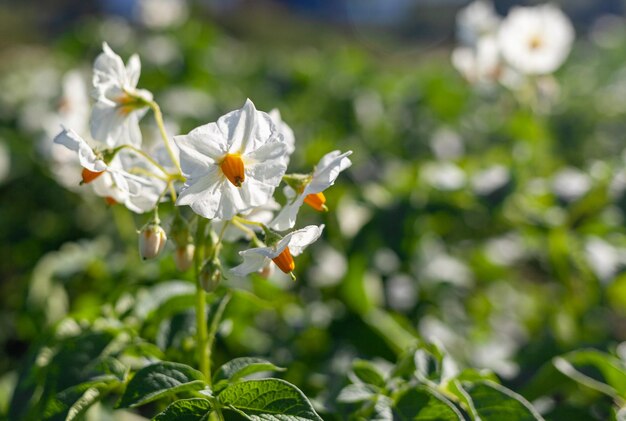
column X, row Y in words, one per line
column 211, row 275
column 152, row 240
column 183, row 257
column 179, row 231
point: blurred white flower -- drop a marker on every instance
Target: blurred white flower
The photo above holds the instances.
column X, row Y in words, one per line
column 443, row 175
column 475, row 21
column 232, row 165
column 119, row 104
column 570, row 184
column 72, row 110
column 281, row 253
column 491, row 179
column 159, row 14
column 536, row 40
column 604, row 258
column 308, row 188
column 480, row 63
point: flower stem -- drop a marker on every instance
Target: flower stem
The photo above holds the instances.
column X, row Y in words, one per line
column 144, row 155
column 215, row 322
column 201, row 322
column 158, row 116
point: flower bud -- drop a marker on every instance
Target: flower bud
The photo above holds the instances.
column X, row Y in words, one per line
column 211, row 275
column 183, row 257
column 179, row 231
column 152, row 239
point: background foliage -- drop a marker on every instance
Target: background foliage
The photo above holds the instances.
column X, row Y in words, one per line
column 468, row 220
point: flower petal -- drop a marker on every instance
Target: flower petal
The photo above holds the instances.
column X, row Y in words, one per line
column 302, row 238
column 86, row 155
column 253, row 261
column 327, row 171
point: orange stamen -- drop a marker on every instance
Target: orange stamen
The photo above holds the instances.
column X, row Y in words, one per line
column 89, row 176
column 316, row 201
column 232, row 167
column 110, row 201
column 284, row 261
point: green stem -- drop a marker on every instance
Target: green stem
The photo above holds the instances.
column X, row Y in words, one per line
column 158, row 116
column 215, row 322
column 144, row 155
column 201, row 322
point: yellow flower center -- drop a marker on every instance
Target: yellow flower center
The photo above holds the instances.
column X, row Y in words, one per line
column 232, row 167
column 284, row 261
column 536, row 42
column 316, row 201
column 89, row 176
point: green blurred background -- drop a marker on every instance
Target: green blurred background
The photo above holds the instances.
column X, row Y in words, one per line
column 467, row 219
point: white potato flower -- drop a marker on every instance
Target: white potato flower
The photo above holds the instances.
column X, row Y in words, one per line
column 536, row 40
column 119, row 104
column 232, row 165
column 481, row 63
column 308, row 188
column 281, row 253
column 112, row 180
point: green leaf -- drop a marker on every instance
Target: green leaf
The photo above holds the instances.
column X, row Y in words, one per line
column 356, row 393
column 196, row 409
column 492, row 401
column 268, row 400
column 368, row 373
column 240, row 367
column 162, row 296
column 72, row 403
column 574, row 365
column 425, row 404
column 159, row 380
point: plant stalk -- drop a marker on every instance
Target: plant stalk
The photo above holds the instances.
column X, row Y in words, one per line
column 201, row 322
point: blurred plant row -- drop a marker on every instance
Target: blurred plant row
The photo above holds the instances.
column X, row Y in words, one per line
column 476, row 246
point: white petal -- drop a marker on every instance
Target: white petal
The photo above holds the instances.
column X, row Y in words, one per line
column 327, row 171
column 231, row 201
column 252, row 262
column 203, row 194
column 133, row 70
column 110, row 126
column 204, row 145
column 286, row 218
column 238, row 126
column 255, row 193
column 108, row 69
column 86, row 156
column 304, row 237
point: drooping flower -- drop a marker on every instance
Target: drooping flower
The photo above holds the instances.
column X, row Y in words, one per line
column 281, row 253
column 232, row 165
column 119, row 104
column 113, row 180
column 309, row 188
column 536, row 40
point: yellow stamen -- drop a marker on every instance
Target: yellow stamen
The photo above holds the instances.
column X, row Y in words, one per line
column 232, row 167
column 89, row 176
column 316, row 201
column 284, row 261
column 126, row 104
